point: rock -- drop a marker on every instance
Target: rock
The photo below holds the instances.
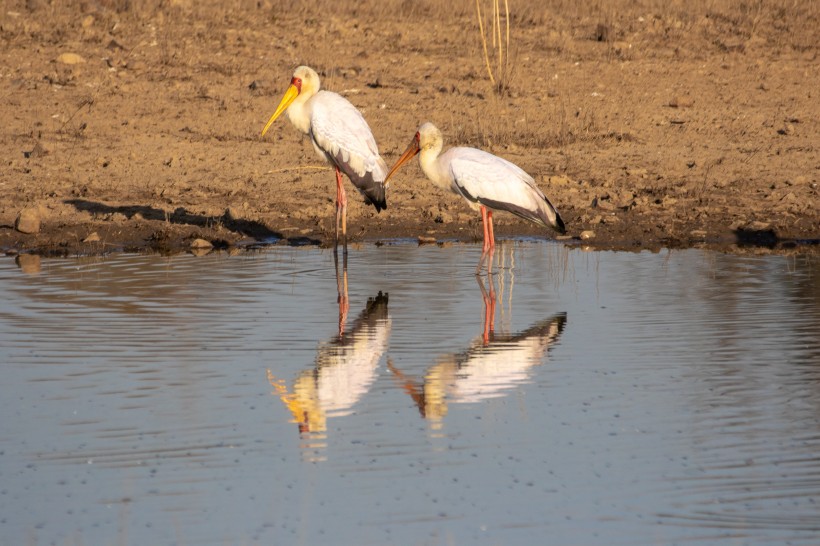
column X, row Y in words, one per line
column 559, row 180
column 233, row 214
column 93, row 238
column 37, row 151
column 698, row 234
column 88, row 20
column 28, row 221
column 70, row 58
column 117, row 217
column 426, row 240
column 201, row 243
column 587, row 234
column 603, row 203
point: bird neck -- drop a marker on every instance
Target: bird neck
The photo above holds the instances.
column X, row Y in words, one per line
column 299, row 112
column 428, row 160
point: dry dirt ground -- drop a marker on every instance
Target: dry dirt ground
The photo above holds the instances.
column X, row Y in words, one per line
column 135, row 125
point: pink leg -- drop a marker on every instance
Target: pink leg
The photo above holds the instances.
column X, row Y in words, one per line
column 341, row 208
column 485, row 247
column 489, row 244
column 490, row 229
column 491, row 239
column 338, row 201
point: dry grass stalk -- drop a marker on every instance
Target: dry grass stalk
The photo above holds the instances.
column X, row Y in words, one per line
column 500, row 79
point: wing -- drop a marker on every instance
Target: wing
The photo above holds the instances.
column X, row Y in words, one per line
column 489, row 180
column 340, row 131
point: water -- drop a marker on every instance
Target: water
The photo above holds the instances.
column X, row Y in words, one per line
column 619, row 398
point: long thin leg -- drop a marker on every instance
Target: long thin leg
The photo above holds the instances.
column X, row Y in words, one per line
column 340, row 198
column 491, row 239
column 341, row 208
column 491, row 235
column 486, row 245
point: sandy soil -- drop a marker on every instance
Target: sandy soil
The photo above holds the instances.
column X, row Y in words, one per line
column 131, row 125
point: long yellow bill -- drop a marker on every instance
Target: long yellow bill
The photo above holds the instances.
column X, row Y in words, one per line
column 290, row 96
column 408, row 154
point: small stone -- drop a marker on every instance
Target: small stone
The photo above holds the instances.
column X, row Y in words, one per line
column 88, row 21
column 28, row 221
column 37, row 151
column 201, row 243
column 587, row 234
column 70, row 58
column 117, row 217
column 698, row 234
column 426, row 240
column 787, row 129
column 93, row 238
column 559, row 180
column 233, row 214
column 638, row 172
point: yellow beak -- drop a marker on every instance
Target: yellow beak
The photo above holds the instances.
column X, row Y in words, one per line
column 408, row 154
column 290, row 96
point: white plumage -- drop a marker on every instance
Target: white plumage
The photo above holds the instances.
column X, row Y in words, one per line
column 340, row 135
column 486, row 181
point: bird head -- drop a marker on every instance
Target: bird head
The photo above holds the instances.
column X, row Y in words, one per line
column 428, row 137
column 305, row 82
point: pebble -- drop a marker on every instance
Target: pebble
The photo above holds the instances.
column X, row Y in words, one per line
column 70, row 58
column 28, row 221
column 587, row 234
column 233, row 213
column 426, row 240
column 201, row 243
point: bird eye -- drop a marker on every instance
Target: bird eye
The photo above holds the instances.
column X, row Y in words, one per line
column 297, row 82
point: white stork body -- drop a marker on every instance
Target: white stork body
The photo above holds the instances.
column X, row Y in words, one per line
column 340, row 135
column 487, row 182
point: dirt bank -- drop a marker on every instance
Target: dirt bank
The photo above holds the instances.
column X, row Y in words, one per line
column 133, row 125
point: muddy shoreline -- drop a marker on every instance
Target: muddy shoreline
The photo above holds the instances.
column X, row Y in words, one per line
column 136, row 127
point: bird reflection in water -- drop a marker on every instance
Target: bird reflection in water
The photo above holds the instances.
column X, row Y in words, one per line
column 492, row 365
column 344, row 370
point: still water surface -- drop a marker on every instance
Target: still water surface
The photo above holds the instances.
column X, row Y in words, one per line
column 576, row 398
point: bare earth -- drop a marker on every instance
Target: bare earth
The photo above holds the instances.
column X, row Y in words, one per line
column 646, row 126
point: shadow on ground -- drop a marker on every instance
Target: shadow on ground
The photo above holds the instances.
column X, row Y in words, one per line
column 180, row 216
column 768, row 238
